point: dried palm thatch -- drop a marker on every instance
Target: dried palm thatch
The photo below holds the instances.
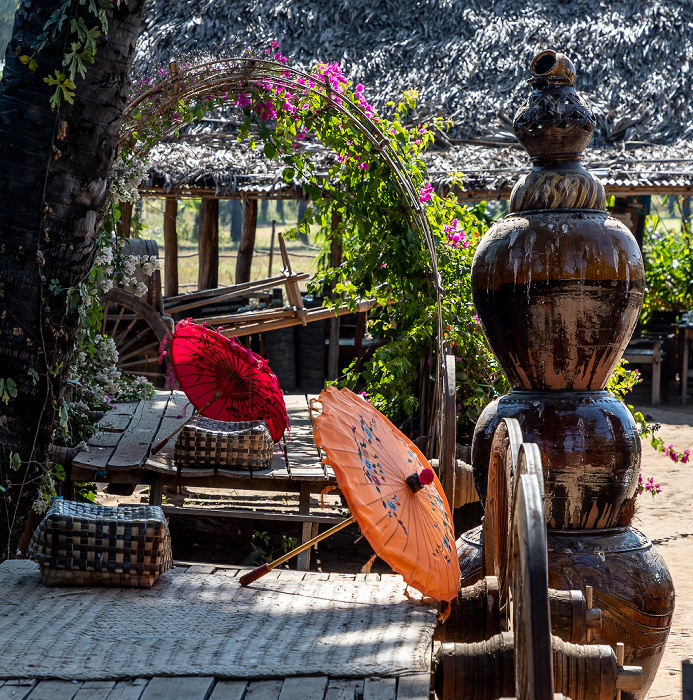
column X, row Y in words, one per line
column 469, row 62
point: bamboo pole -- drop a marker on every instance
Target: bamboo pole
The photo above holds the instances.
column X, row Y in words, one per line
column 311, row 315
column 255, row 574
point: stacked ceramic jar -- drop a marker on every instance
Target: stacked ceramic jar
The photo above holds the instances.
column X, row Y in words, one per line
column 558, row 287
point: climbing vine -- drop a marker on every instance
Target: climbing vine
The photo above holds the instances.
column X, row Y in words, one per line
column 68, row 24
column 402, row 243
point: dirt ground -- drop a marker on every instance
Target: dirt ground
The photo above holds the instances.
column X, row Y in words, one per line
column 667, row 520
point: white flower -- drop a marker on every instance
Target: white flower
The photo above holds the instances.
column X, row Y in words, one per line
column 139, row 288
column 40, row 505
column 106, row 285
column 130, row 264
column 105, row 257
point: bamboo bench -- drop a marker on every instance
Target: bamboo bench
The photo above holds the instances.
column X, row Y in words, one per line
column 649, row 351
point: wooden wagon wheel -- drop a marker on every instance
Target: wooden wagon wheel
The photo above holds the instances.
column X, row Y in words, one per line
column 531, row 619
column 138, row 331
column 505, row 448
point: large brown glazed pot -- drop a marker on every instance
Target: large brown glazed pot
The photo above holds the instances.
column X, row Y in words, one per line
column 558, row 287
column 632, row 587
column 590, row 453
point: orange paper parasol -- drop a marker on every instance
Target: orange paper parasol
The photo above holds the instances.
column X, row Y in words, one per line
column 403, row 513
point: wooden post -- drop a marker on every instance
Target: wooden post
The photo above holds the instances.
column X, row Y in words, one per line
column 335, row 261
column 244, row 260
column 687, row 679
column 644, row 202
column 208, row 245
column 125, row 218
column 170, row 247
column 271, row 254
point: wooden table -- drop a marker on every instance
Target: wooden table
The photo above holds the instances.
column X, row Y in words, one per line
column 120, row 454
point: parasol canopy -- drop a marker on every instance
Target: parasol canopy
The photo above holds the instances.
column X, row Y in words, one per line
column 224, row 380
column 392, row 493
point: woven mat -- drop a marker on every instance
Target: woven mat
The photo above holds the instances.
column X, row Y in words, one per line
column 204, row 624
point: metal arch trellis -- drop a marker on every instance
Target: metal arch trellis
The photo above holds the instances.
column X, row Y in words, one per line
column 231, row 76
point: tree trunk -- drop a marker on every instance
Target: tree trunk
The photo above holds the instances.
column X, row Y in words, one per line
column 54, row 168
column 208, row 245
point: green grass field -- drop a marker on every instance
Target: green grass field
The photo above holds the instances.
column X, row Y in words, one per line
column 302, row 256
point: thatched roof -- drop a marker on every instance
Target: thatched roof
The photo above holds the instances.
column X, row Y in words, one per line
column 469, row 61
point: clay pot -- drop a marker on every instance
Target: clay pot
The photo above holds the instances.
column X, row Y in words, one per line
column 631, row 583
column 632, row 587
column 590, row 452
column 558, row 295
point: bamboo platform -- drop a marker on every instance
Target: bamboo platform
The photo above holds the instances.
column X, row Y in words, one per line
column 308, row 636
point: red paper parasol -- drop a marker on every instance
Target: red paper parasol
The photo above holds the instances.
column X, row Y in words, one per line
column 394, row 496
column 206, row 363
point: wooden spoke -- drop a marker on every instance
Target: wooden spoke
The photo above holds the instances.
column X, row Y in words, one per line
column 138, row 331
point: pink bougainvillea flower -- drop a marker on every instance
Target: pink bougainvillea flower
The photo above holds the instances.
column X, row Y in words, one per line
column 243, row 100
column 426, row 192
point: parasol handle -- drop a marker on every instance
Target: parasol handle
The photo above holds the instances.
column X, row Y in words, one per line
column 161, row 443
column 255, row 574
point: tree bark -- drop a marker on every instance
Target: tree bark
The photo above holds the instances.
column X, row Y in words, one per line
column 244, row 260
column 208, row 245
column 54, row 169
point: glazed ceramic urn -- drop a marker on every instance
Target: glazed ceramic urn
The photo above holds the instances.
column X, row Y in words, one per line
column 558, row 286
column 558, row 283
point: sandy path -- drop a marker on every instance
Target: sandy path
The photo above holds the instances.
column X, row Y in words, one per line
column 667, row 520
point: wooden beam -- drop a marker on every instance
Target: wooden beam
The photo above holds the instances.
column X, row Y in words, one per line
column 192, row 300
column 244, row 260
column 170, row 247
column 208, row 245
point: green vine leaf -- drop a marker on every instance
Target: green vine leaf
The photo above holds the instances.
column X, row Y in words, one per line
column 28, row 61
column 76, row 61
column 64, row 88
column 8, row 390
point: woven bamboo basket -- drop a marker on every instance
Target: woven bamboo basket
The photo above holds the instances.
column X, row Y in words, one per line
column 206, row 442
column 84, row 544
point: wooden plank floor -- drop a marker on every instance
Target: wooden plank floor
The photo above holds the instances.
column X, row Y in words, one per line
column 210, row 688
